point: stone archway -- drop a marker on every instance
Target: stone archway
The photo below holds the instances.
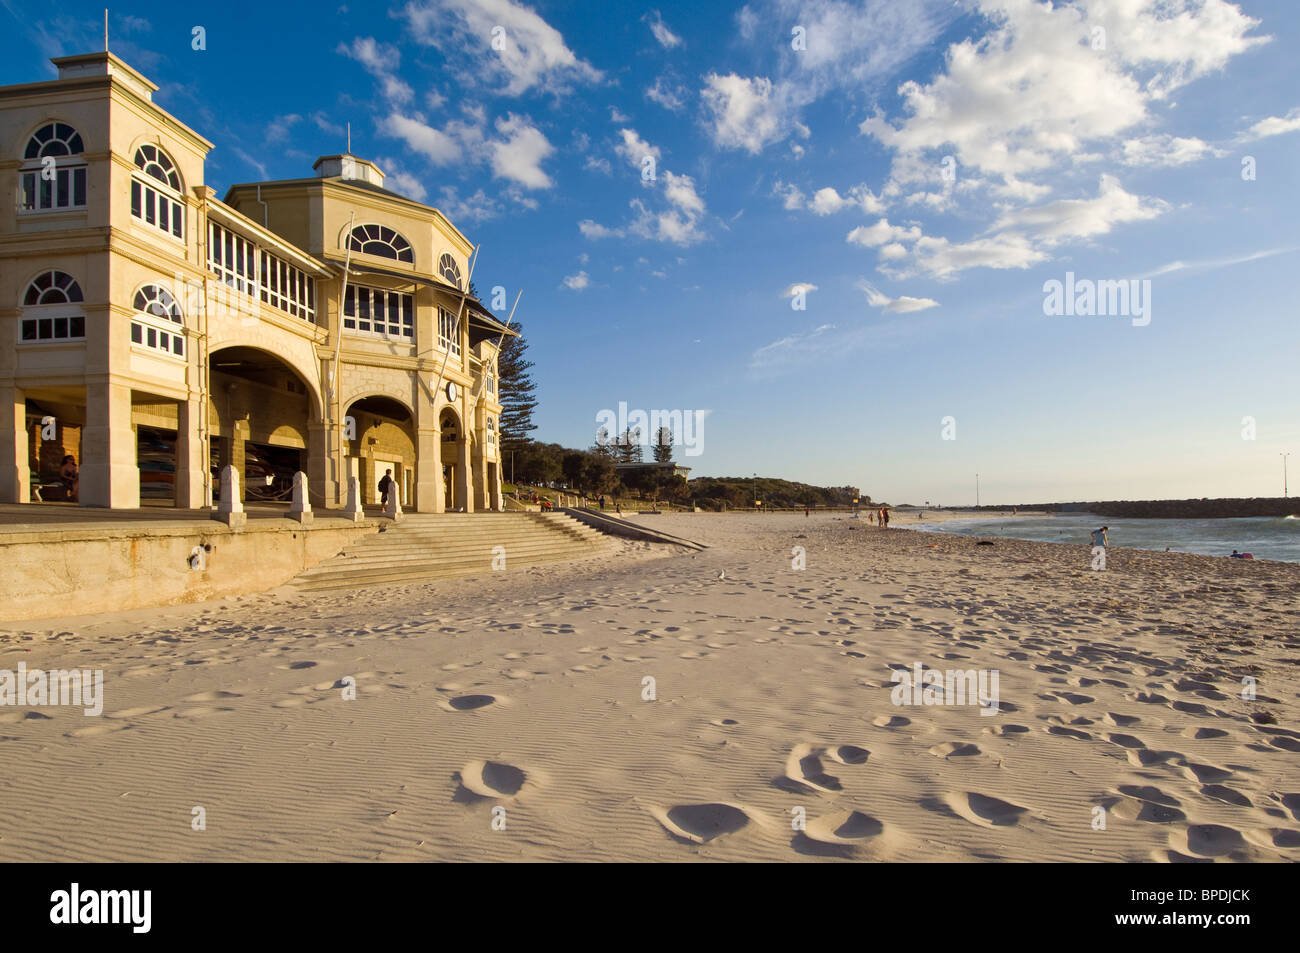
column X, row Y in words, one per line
column 263, row 419
column 380, row 434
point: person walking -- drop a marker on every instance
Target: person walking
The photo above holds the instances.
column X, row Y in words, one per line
column 1099, row 537
column 884, row 517
column 385, row 485
column 70, row 477
column 602, row 502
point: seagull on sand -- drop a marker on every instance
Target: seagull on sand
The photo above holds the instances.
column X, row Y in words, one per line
column 722, row 574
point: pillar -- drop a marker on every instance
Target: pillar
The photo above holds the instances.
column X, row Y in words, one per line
column 110, row 476
column 323, row 487
column 429, row 493
column 464, row 478
column 15, row 474
column 191, row 467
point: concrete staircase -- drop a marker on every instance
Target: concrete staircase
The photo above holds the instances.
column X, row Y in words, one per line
column 425, row 546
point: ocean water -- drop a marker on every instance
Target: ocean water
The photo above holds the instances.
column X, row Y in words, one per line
column 1264, row 537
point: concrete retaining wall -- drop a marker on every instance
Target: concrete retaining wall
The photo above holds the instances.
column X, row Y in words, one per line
column 615, row 526
column 102, row 568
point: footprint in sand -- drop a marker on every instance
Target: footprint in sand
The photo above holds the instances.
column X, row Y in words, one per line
column 1068, row 733
column 1124, row 741
column 1207, row 840
column 804, row 770
column 1202, row 733
column 1134, row 809
column 849, row 754
column 983, row 810
column 1220, row 792
column 1121, row 721
column 1205, row 772
column 470, row 702
column 724, row 722
column 702, row 823
column 491, row 779
column 890, row 721
column 1007, row 730
column 955, row 749
column 90, row 731
column 839, row 833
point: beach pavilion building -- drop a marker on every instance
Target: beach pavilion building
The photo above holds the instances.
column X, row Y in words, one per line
column 158, row 333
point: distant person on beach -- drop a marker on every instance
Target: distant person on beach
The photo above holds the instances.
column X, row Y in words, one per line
column 385, row 485
column 884, row 518
column 1099, row 537
column 1236, row 555
column 871, row 515
column 602, row 502
column 805, row 511
column 70, row 477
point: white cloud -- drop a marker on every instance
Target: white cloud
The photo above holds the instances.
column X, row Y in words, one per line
column 577, row 282
column 1033, row 92
column 478, row 207
column 434, row 144
column 903, row 304
column 791, row 197
column 941, row 258
column 671, row 97
column 615, row 115
column 666, row 37
column 518, row 157
column 799, row 287
column 1083, row 218
column 794, row 347
column 827, row 201
column 598, row 164
column 1275, row 125
column 400, row 181
column 634, row 149
column 595, row 231
column 1164, row 150
column 1212, row 264
column 873, row 236
column 382, row 61
column 534, row 54
column 743, row 113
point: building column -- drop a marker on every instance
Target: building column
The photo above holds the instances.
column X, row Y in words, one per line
column 322, row 485
column 15, row 473
column 191, row 467
column 464, row 478
column 110, row 475
column 429, row 492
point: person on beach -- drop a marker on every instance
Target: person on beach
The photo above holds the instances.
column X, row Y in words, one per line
column 884, row 518
column 602, row 502
column 1099, row 537
column 805, row 511
column 385, row 485
column 70, row 477
column 871, row 516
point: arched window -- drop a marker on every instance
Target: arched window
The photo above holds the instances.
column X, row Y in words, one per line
column 51, row 309
column 448, row 268
column 156, row 191
column 382, row 241
column 158, row 322
column 53, row 175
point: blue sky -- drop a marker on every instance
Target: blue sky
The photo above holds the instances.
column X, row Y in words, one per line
column 920, row 169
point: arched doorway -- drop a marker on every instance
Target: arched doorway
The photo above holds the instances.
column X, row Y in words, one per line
column 260, row 417
column 454, row 459
column 381, row 435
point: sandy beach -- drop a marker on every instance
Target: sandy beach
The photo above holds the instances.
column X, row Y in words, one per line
column 509, row 716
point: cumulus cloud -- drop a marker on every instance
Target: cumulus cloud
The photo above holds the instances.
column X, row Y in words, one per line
column 434, row 144
column 1083, row 218
column 634, row 150
column 1164, row 150
column 595, row 231
column 577, row 282
column 533, row 54
column 381, row 61
column 519, row 155
column 1275, row 125
column 873, row 236
column 743, row 113
column 903, row 304
column 666, row 37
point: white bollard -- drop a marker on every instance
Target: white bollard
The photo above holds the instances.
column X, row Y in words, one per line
column 231, row 508
column 394, row 507
column 300, row 508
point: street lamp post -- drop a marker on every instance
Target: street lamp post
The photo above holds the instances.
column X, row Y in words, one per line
column 1284, row 456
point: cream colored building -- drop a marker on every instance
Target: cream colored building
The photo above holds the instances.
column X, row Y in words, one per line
column 158, row 333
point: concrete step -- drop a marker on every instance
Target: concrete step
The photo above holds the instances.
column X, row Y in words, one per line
column 424, row 546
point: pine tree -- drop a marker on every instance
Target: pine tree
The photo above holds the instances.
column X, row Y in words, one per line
column 516, row 390
column 664, row 446
column 604, row 445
